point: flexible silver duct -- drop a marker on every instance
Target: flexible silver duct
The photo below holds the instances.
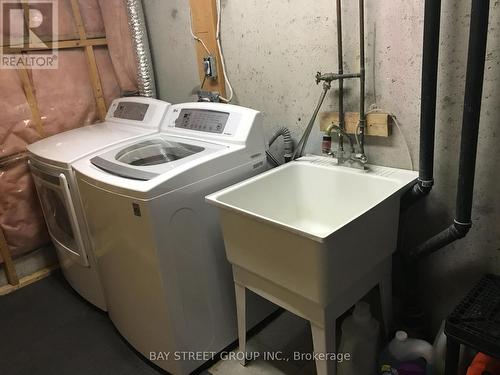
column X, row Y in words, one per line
column 137, row 26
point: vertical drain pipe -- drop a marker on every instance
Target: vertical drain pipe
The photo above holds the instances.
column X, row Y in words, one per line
column 472, row 108
column 432, row 22
column 470, row 130
column 137, row 25
column 413, row 316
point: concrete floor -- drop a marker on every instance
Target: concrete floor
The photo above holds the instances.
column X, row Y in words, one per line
column 46, row 328
column 287, row 334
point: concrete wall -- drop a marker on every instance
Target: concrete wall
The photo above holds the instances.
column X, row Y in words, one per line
column 273, row 49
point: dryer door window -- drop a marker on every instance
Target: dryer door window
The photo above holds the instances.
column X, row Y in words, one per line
column 56, row 215
column 59, row 214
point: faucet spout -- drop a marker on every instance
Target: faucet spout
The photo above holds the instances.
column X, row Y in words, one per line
column 356, row 160
column 342, row 133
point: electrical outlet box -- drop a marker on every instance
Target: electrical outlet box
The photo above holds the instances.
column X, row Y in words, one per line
column 210, row 67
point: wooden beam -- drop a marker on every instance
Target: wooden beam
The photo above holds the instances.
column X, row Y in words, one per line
column 377, row 124
column 95, row 80
column 28, row 88
column 61, row 38
column 5, row 161
column 10, row 269
column 30, row 279
column 29, row 92
column 63, row 44
column 204, row 22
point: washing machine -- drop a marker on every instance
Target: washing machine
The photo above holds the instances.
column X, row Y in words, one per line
column 159, row 246
column 50, row 163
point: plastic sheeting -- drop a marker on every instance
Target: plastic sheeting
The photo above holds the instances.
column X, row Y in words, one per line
column 65, row 100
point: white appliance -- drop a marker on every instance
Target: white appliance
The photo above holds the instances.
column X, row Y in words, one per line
column 159, row 246
column 50, row 162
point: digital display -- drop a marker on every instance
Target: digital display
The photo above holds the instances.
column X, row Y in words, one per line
column 131, row 111
column 202, row 120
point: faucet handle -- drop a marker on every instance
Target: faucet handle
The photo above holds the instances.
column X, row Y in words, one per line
column 361, row 157
column 318, row 77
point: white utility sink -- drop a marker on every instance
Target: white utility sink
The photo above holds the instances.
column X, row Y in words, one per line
column 312, row 227
column 314, row 238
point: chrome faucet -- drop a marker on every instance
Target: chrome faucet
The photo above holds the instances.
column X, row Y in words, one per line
column 355, row 160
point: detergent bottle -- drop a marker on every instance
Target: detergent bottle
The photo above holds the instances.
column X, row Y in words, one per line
column 406, row 356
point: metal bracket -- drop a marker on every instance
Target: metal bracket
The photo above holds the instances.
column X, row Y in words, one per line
column 208, row 96
column 210, row 67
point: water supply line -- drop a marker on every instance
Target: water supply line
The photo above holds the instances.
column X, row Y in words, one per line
column 360, row 132
column 137, row 26
column 340, row 58
column 299, row 151
column 272, row 158
column 341, row 76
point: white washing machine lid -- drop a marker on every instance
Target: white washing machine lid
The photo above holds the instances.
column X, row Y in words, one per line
column 65, row 148
column 152, row 157
column 127, row 118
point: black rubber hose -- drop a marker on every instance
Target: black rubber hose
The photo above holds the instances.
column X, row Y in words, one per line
column 287, row 142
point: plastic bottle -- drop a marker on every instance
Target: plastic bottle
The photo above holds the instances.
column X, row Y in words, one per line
column 407, row 356
column 326, row 144
column 360, row 338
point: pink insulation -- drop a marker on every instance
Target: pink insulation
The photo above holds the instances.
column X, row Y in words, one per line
column 121, row 50
column 65, row 100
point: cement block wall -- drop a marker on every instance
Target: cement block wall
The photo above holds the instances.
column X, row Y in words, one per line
column 273, row 49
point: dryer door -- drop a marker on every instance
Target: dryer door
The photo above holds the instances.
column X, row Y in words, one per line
column 59, row 212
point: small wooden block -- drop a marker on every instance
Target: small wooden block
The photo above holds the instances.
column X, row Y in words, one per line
column 377, row 124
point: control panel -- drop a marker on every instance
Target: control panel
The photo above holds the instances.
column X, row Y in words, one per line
column 131, row 111
column 202, row 120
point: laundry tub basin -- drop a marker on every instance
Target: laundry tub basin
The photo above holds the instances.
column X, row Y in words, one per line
column 312, row 228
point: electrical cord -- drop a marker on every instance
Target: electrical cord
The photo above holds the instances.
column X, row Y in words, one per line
column 194, row 36
column 375, row 109
column 396, row 122
column 222, row 62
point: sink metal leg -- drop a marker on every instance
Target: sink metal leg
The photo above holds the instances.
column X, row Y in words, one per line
column 385, row 290
column 324, row 342
column 242, row 320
